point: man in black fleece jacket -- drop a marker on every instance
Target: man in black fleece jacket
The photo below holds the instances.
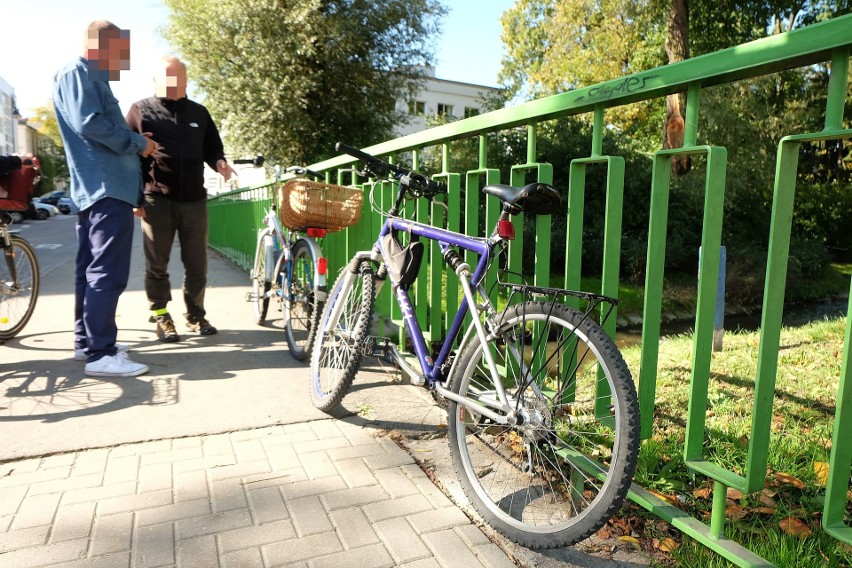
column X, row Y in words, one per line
column 175, row 197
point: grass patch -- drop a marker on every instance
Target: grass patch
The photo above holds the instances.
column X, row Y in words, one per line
column 800, row 442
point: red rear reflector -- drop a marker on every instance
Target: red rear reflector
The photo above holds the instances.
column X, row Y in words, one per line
column 322, row 266
column 317, row 233
column 506, row 230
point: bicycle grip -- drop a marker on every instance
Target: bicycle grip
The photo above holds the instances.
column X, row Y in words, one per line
column 354, row 152
column 257, row 161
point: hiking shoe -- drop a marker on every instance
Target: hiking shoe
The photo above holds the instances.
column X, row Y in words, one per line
column 202, row 326
column 166, row 331
column 117, row 365
column 80, row 354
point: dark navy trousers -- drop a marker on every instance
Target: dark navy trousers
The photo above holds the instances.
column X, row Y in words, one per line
column 104, row 240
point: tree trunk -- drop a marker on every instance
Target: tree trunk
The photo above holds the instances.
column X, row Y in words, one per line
column 677, row 48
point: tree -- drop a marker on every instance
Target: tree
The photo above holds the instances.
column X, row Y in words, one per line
column 289, row 78
column 49, row 150
column 558, row 45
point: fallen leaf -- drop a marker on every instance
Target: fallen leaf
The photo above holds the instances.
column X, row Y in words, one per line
column 735, row 512
column 821, row 472
column 627, row 538
column 702, row 492
column 734, row 493
column 789, row 480
column 795, row 527
column 765, row 498
column 763, row 510
column 668, row 544
column 604, row 533
column 670, row 499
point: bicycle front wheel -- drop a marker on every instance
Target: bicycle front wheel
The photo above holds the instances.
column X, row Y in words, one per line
column 17, row 295
column 563, row 468
column 341, row 333
column 259, row 285
column 301, row 306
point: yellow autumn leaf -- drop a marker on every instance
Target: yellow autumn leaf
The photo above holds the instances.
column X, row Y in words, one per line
column 821, row 472
column 668, row 545
column 627, row 538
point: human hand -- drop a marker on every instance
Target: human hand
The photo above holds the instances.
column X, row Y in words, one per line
column 139, row 212
column 150, row 146
column 225, row 170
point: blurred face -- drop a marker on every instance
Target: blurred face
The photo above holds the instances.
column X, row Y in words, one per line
column 108, row 52
column 171, row 80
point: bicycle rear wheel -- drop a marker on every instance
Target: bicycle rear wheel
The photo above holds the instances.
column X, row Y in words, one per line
column 259, row 285
column 17, row 297
column 337, row 353
column 558, row 474
column 301, row 306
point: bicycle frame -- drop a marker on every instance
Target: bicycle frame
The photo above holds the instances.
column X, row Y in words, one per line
column 9, row 259
column 273, row 225
column 434, row 370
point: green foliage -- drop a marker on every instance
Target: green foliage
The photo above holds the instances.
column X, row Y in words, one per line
column 556, row 46
column 289, row 78
column 54, row 165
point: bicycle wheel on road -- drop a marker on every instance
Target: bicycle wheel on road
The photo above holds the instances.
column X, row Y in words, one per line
column 301, row 306
column 337, row 352
column 17, row 300
column 563, row 470
column 259, row 285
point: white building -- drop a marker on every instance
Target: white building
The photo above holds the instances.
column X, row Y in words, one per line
column 8, row 119
column 442, row 97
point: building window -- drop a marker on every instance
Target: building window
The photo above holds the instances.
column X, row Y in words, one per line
column 470, row 111
column 417, row 108
column 445, row 110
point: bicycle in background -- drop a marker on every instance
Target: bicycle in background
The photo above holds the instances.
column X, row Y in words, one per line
column 288, row 261
column 543, row 419
column 19, row 280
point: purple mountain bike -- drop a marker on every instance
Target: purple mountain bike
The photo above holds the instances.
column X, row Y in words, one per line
column 543, row 419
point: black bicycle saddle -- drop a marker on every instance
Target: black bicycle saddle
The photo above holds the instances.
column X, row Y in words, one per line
column 534, row 198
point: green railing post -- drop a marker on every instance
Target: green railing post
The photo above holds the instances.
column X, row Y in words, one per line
column 837, row 487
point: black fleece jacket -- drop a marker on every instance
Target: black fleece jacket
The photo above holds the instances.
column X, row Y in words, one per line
column 187, row 137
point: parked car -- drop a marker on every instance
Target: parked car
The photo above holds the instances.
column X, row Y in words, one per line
column 53, row 197
column 66, row 206
column 44, row 210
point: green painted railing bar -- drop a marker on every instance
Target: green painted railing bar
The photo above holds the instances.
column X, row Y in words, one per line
column 234, row 218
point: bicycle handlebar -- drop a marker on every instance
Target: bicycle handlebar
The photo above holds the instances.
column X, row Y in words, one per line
column 257, row 161
column 417, row 183
column 303, row 171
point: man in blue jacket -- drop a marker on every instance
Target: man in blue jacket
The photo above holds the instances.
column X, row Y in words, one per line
column 103, row 163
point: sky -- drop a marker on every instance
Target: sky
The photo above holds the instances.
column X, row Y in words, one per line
column 43, row 35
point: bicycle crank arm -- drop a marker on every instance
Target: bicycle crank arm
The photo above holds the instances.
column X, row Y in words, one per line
column 400, row 360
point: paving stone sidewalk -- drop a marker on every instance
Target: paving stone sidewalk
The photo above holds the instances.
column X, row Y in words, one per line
column 322, row 493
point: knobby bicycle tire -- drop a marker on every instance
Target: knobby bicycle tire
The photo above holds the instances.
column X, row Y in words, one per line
column 337, row 352
column 558, row 475
column 259, row 285
column 17, row 302
column 301, row 306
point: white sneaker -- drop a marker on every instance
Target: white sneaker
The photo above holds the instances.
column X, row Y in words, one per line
column 117, row 365
column 80, row 354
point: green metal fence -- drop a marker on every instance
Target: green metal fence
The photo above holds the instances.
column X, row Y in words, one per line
column 235, row 216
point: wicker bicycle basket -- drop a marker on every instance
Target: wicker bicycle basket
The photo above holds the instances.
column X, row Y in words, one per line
column 310, row 204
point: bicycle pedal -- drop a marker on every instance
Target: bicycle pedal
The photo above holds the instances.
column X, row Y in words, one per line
column 378, row 347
